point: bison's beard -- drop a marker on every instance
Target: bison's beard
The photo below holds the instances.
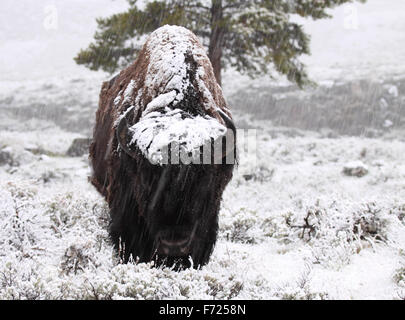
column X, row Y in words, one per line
column 168, row 214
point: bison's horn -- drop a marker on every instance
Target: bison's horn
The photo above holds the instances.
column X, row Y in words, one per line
column 122, row 134
column 229, row 138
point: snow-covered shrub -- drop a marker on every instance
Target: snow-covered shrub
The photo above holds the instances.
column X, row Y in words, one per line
column 332, row 233
column 7, row 158
column 240, row 227
column 21, row 282
column 370, row 223
column 76, row 258
column 262, row 174
column 399, row 211
column 355, row 169
column 399, row 277
column 307, row 228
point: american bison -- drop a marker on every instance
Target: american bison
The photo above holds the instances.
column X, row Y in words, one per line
column 166, row 103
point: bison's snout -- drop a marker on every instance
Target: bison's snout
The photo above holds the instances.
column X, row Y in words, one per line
column 175, row 242
column 174, row 247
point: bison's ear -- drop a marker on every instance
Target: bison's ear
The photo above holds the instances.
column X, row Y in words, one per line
column 123, row 134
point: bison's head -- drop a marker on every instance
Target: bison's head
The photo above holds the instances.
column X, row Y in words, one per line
column 179, row 160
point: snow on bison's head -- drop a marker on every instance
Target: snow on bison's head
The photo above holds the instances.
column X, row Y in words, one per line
column 163, row 152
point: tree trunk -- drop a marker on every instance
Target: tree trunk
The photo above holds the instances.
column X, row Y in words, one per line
column 216, row 38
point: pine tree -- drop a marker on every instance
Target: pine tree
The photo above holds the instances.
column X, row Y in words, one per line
column 249, row 35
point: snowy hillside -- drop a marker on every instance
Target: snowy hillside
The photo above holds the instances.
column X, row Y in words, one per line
column 321, row 215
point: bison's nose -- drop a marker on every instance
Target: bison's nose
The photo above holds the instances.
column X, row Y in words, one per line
column 174, row 243
column 174, row 247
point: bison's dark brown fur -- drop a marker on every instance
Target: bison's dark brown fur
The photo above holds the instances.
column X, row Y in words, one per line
column 153, row 207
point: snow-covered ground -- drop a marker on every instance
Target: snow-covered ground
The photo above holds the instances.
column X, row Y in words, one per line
column 293, row 227
column 318, row 217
